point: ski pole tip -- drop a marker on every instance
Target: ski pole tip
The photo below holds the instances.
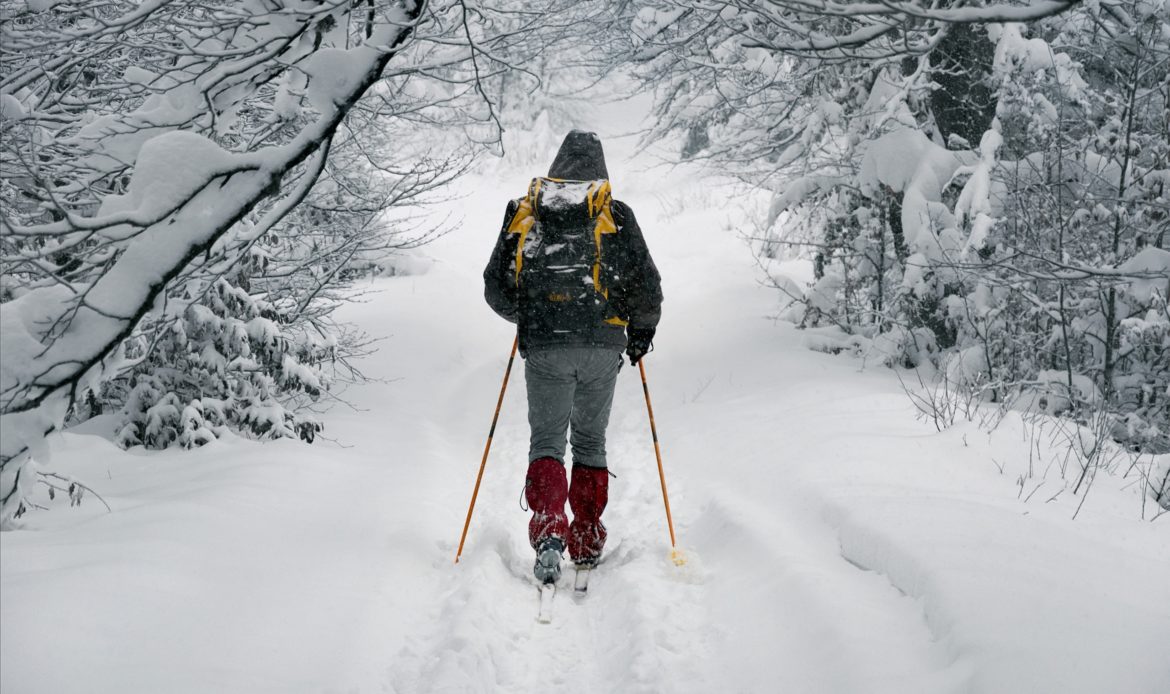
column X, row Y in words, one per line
column 677, row 557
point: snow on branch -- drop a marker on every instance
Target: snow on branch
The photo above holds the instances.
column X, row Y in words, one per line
column 981, row 184
column 117, row 245
column 830, row 30
column 191, row 187
column 990, row 13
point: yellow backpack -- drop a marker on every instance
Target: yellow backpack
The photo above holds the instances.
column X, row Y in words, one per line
column 559, row 226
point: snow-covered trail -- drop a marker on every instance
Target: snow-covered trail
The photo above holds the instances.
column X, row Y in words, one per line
column 767, row 599
column 835, row 543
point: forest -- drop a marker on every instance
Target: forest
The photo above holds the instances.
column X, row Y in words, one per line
column 910, row 385
column 189, row 188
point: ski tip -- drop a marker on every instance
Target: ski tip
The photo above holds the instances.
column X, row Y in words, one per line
column 547, row 590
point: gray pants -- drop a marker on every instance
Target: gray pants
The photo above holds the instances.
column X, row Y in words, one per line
column 570, row 388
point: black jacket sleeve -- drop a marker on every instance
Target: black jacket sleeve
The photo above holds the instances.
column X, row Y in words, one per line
column 499, row 288
column 641, row 289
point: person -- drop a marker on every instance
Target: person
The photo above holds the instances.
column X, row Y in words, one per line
column 571, row 269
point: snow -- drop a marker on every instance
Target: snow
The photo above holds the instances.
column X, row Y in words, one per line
column 84, row 337
column 332, row 75
column 887, row 102
column 1082, row 386
column 11, row 108
column 42, row 5
column 158, row 186
column 905, row 161
column 20, row 321
column 1154, row 266
column 798, row 191
column 113, row 141
column 155, row 189
column 835, row 543
column 286, row 103
column 140, row 76
column 1013, row 52
column 974, row 201
column 558, row 195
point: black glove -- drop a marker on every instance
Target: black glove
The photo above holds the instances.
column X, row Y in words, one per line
column 640, row 342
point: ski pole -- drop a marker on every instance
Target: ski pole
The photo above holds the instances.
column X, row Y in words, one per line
column 486, row 448
column 675, row 555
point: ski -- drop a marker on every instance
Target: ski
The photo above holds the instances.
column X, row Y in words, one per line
column 581, row 580
column 547, row 591
column 585, row 569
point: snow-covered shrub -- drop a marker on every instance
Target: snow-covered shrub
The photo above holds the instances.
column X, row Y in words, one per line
column 902, row 347
column 1057, row 393
column 1079, row 194
column 941, row 401
column 229, row 361
column 999, row 188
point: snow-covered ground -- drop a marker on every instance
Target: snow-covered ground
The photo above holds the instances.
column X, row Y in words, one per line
column 834, row 542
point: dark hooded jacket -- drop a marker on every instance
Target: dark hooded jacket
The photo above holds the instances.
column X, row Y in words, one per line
column 633, row 283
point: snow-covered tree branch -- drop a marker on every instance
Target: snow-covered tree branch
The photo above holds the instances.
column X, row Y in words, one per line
column 981, row 186
column 188, row 184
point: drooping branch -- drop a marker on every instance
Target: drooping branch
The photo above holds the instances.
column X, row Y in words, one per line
column 85, row 342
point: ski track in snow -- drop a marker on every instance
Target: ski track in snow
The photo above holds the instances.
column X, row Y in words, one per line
column 636, row 631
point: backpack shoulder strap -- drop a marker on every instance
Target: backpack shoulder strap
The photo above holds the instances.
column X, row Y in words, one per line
column 600, row 203
column 522, row 222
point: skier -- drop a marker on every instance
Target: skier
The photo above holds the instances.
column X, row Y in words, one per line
column 572, row 270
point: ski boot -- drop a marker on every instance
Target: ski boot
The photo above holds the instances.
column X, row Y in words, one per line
column 546, row 490
column 548, row 560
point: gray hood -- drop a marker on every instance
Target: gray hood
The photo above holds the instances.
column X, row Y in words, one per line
column 580, row 158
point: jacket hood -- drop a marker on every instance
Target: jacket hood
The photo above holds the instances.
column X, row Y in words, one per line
column 580, row 158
